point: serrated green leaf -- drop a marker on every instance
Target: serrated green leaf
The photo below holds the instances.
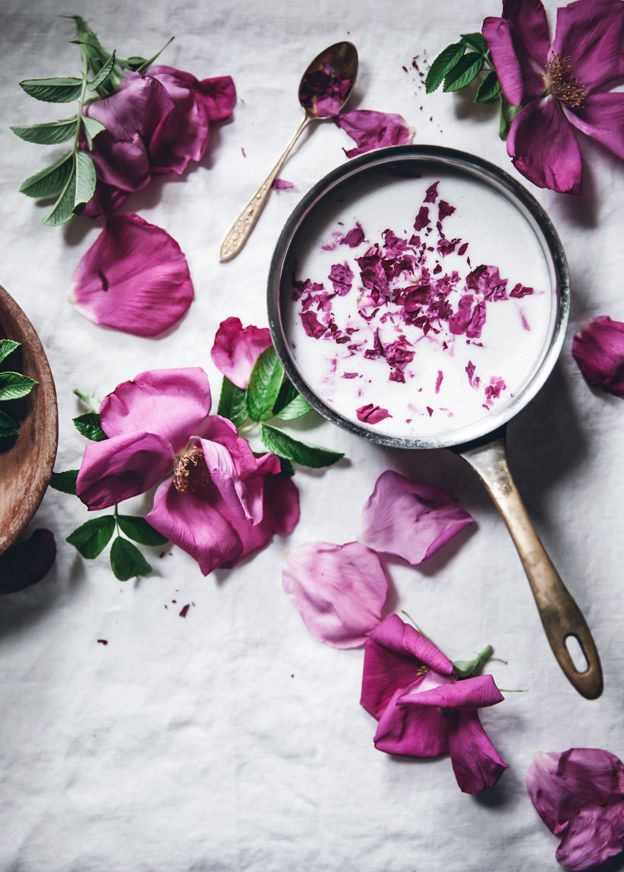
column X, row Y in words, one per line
column 8, row 426
column 444, row 62
column 7, row 346
column 291, row 449
column 50, row 133
column 139, row 64
column 103, row 73
column 232, row 403
column 14, row 385
column 127, row 561
column 297, row 408
column 64, row 481
column 476, row 41
column 92, row 127
column 507, row 115
column 488, row 89
column 63, row 208
column 264, row 385
column 54, row 90
column 464, row 71
column 85, row 180
column 133, row 63
column 51, row 180
column 92, row 537
column 287, row 394
column 88, row 425
column 139, row 530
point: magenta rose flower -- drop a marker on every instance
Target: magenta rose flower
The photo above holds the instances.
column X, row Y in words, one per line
column 410, row 687
column 563, row 86
column 579, row 794
column 599, row 352
column 216, row 499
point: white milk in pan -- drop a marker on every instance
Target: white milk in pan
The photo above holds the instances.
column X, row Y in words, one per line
column 418, row 307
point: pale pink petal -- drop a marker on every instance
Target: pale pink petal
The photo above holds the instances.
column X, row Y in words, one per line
column 122, row 467
column 543, row 147
column 369, row 130
column 594, row 836
column 411, row 733
column 498, row 33
column 134, row 278
column 598, row 349
column 471, row 693
column 602, row 117
column 339, row 590
column 476, row 762
column 174, row 403
column 218, row 96
column 236, row 349
column 591, row 33
column 408, row 519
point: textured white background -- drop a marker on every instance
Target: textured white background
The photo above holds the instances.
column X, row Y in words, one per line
column 232, row 740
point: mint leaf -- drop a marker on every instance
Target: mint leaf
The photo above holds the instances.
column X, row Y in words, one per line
column 88, row 425
column 139, row 530
column 476, row 41
column 92, row 537
column 264, row 385
column 7, row 346
column 14, row 385
column 297, row 408
column 50, row 133
column 127, row 561
column 55, row 90
column 507, row 115
column 91, row 127
column 488, row 89
column 64, row 481
column 232, row 403
column 290, row 449
column 464, row 71
column 103, row 74
column 63, row 209
column 8, row 426
column 444, row 62
column 287, row 393
column 85, row 180
column 49, row 182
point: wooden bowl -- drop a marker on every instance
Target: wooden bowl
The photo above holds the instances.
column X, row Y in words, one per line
column 26, row 465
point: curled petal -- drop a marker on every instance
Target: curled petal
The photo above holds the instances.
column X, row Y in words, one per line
column 134, row 278
column 543, row 148
column 174, row 403
column 471, row 693
column 218, row 96
column 369, row 130
column 339, row 590
column 422, row 733
column 236, row 349
column 497, row 32
column 591, row 33
column 122, row 467
column 602, row 117
column 599, row 352
column 408, row 519
column 476, row 762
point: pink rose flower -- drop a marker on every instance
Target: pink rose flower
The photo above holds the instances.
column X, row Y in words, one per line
column 216, row 499
column 410, row 687
column 599, row 352
column 579, row 794
column 236, row 349
column 562, row 86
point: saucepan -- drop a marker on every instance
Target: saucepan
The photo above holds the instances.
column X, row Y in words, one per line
column 379, row 185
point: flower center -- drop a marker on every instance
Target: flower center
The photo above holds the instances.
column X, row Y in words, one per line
column 191, row 472
column 562, row 83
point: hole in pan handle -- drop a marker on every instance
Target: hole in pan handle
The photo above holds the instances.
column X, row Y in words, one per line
column 560, row 615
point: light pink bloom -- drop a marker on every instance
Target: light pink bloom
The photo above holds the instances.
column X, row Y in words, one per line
column 236, row 349
column 369, row 130
column 579, row 794
column 134, row 278
column 599, row 351
column 409, row 686
column 339, row 590
column 562, row 86
column 218, row 501
column 408, row 519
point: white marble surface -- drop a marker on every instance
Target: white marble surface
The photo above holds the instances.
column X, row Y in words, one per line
column 232, row 740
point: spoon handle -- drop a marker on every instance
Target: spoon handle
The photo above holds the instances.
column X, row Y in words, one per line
column 241, row 229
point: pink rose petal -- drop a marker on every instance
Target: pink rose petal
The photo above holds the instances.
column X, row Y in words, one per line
column 371, row 414
column 370, row 129
column 598, row 349
column 282, row 185
column 476, row 762
column 236, row 349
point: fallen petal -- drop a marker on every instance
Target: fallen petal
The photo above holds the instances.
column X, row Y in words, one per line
column 370, row 129
column 598, row 349
column 236, row 349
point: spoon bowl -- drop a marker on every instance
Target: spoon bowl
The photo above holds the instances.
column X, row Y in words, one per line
column 328, row 81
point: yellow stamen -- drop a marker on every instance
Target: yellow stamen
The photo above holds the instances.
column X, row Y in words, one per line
column 563, row 83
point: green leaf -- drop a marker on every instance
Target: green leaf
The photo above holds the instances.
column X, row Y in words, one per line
column 54, row 90
column 297, row 408
column 286, row 467
column 127, row 561
column 507, row 115
column 64, row 481
column 91, row 127
column 63, row 208
column 103, row 73
column 488, row 89
column 464, row 71
column 232, row 403
column 92, row 537
column 139, row 530
column 290, row 449
column 287, row 394
column 444, row 62
column 8, row 426
column 264, row 385
column 139, row 64
column 85, row 180
column 88, row 425
column 7, row 346
column 50, row 133
column 94, row 49
column 50, row 181
column 14, row 385
column 476, row 41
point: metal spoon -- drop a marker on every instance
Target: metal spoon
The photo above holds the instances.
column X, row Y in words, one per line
column 324, row 89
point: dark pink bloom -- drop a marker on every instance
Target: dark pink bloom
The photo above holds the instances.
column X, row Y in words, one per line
column 217, row 500
column 236, row 349
column 579, row 794
column 371, row 414
column 599, row 351
column 134, row 278
column 409, row 686
column 408, row 519
column 339, row 590
column 369, row 130
column 562, row 86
